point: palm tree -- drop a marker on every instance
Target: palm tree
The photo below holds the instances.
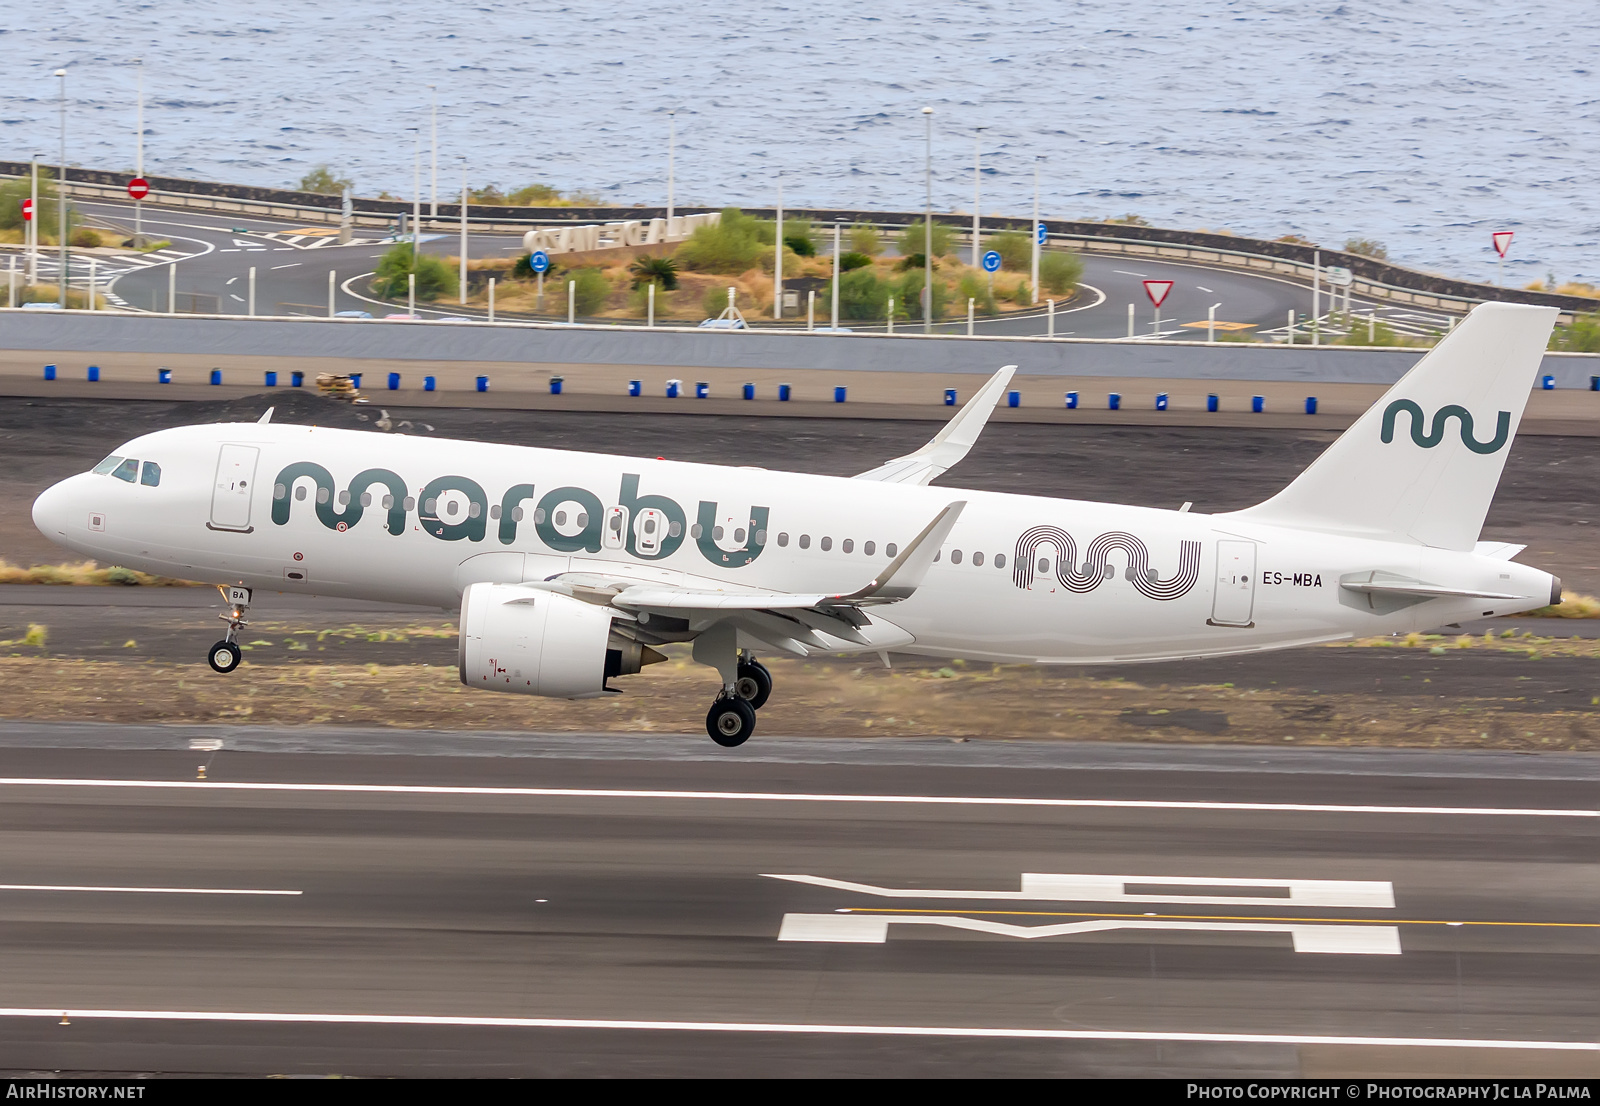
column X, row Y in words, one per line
column 660, row 271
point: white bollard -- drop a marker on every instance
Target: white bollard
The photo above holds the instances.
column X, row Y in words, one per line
column 252, row 304
column 331, row 286
column 970, row 312
column 92, row 262
column 1130, row 320
column 811, row 309
column 491, row 299
column 411, row 295
column 572, row 302
column 1050, row 314
column 1291, row 326
column 11, row 284
column 651, row 297
column 1211, row 324
column 891, row 314
column 172, row 288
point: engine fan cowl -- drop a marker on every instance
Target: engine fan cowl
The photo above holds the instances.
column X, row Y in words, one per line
column 533, row 642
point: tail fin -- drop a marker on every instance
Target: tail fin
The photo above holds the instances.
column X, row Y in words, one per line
column 1423, row 463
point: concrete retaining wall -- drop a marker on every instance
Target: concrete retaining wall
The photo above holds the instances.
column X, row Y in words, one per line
column 533, row 344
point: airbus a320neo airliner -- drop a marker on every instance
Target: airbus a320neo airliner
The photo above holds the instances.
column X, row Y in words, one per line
column 572, row 569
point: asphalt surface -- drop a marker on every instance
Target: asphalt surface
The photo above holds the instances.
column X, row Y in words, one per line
column 611, row 924
column 216, row 251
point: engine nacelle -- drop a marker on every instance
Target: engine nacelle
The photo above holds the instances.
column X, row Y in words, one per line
column 537, row 642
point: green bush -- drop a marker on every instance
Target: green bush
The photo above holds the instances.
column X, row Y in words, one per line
column 797, row 235
column 434, row 277
column 639, row 300
column 1059, row 272
column 864, row 239
column 853, row 260
column 1581, row 336
column 732, row 246
column 1367, row 247
column 909, row 294
column 862, row 295
column 1022, row 294
column 974, row 287
column 1015, row 249
column 1380, row 333
column 13, row 192
column 591, row 291
column 660, row 271
column 87, row 239
column 322, row 181
column 912, row 239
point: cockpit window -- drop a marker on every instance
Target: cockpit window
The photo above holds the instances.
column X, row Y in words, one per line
column 104, row 467
column 150, row 475
column 128, row 470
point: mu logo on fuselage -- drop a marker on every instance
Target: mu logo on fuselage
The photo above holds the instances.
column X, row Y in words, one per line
column 1428, row 440
column 1096, row 568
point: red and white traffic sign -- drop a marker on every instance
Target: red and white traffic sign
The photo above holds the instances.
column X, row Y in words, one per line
column 138, row 188
column 1502, row 241
column 27, row 211
column 1157, row 290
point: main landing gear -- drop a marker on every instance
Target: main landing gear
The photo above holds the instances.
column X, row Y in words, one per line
column 225, row 655
column 732, row 718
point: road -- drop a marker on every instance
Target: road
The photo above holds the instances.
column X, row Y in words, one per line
column 215, row 254
column 437, row 904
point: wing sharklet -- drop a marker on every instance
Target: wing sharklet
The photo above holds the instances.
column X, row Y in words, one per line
column 951, row 444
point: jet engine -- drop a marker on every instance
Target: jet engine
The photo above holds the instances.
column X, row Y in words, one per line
column 536, row 642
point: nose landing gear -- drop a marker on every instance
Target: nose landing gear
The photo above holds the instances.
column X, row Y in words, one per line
column 225, row 655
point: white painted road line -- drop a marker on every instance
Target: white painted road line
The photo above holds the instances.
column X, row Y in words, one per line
column 873, row 929
column 57, row 1012
column 798, row 797
column 1051, row 887
column 142, row 890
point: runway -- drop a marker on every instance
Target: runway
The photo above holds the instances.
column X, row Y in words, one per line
column 521, row 905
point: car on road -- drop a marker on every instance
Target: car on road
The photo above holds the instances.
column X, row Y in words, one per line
column 352, row 314
column 454, row 319
column 401, row 315
column 724, row 324
column 52, row 305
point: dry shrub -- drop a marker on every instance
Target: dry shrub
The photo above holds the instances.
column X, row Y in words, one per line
column 86, row 574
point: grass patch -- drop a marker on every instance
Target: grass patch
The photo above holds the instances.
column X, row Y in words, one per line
column 87, row 574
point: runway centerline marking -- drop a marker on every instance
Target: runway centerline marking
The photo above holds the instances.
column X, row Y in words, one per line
column 797, row 797
column 1225, row 917
column 143, row 890
column 56, row 1012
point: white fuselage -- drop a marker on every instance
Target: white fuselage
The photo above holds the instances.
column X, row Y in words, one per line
column 238, row 503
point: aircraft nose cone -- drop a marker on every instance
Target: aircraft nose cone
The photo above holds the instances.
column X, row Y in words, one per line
column 52, row 511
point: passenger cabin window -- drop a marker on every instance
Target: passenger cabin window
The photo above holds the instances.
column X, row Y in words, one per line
column 977, row 559
column 890, row 549
column 869, row 548
column 999, row 560
column 783, row 538
column 955, row 556
column 150, row 474
column 827, row 544
column 805, row 541
column 128, row 470
column 847, row 545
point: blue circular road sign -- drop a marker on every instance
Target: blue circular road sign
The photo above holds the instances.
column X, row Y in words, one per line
column 991, row 262
column 539, row 261
column 1042, row 233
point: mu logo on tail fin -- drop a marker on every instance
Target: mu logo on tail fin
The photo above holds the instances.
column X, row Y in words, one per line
column 1502, row 430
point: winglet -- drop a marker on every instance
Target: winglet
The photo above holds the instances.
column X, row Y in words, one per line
column 952, row 443
column 267, row 415
column 905, row 573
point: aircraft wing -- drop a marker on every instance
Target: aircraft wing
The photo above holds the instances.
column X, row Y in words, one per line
column 951, row 444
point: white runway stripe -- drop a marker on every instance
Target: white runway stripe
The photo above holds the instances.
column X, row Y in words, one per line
column 792, row 1027
column 799, row 797
column 142, row 890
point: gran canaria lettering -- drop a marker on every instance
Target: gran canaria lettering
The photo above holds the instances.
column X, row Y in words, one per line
column 565, row 519
column 1440, row 417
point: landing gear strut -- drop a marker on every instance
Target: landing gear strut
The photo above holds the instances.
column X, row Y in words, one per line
column 225, row 655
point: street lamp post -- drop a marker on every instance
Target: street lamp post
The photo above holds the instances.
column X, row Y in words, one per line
column 672, row 143
column 433, row 188
column 33, row 227
column 138, row 158
column 927, row 237
column 1037, row 245
column 777, row 259
column 835, row 316
column 416, row 194
column 61, row 197
column 463, row 280
column 977, row 193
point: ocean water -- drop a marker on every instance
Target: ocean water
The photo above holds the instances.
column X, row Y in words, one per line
column 1425, row 124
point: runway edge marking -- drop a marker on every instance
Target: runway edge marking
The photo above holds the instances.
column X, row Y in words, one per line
column 56, row 1012
column 799, row 797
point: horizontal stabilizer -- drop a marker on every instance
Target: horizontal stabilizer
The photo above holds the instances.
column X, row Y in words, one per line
column 951, row 444
column 1383, row 583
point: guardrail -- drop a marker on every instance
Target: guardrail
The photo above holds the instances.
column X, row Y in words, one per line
column 1372, row 279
